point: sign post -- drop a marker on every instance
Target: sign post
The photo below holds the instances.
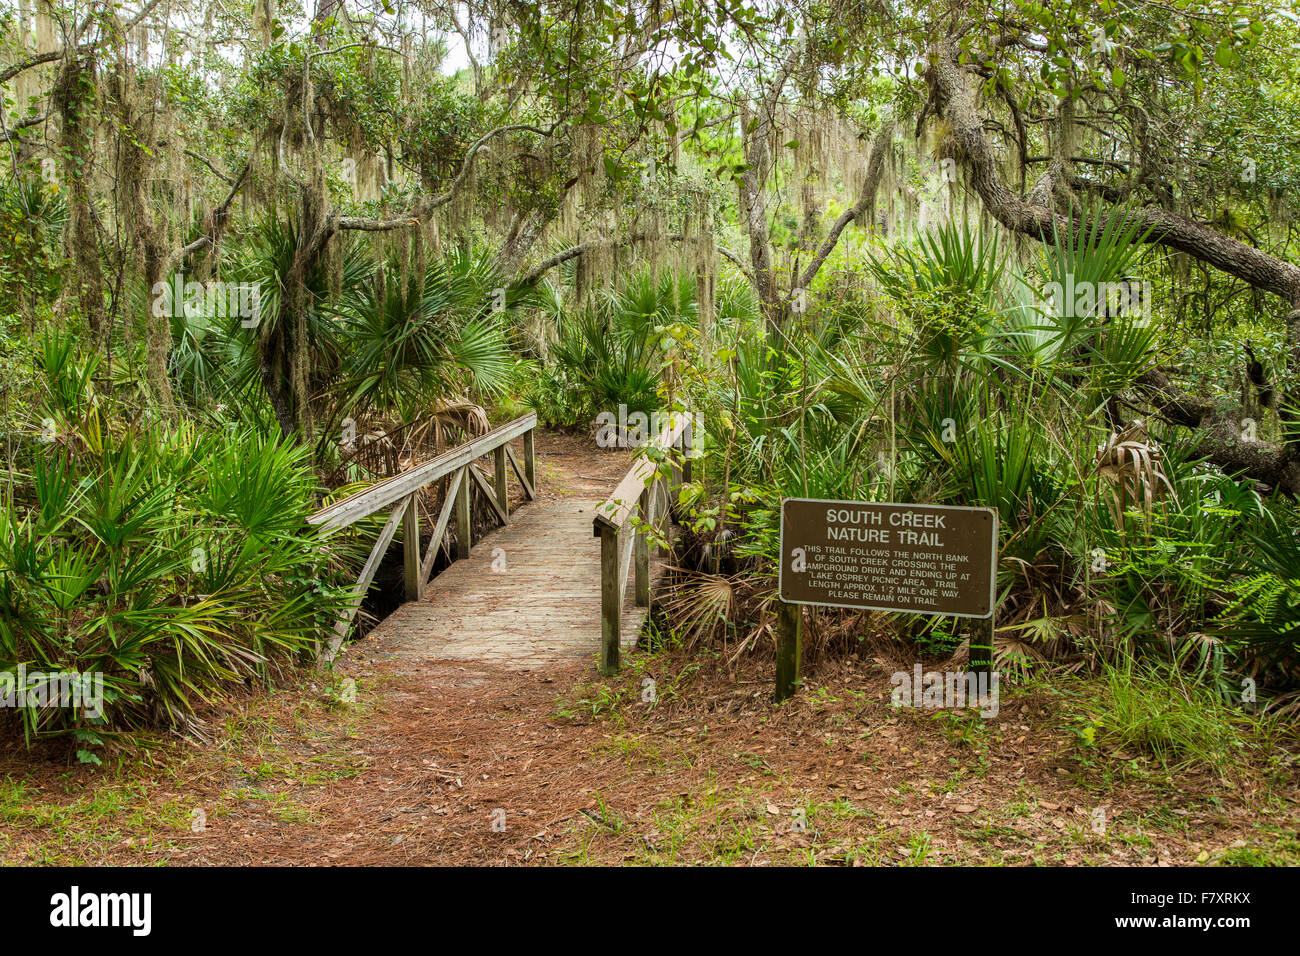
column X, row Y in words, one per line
column 886, row 556
column 789, row 649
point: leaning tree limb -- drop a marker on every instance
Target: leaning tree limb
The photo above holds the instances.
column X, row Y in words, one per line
column 757, row 125
column 425, row 207
column 1034, row 215
column 866, row 200
column 215, row 222
column 955, row 101
column 1220, row 435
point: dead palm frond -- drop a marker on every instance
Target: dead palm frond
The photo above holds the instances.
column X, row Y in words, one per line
column 701, row 606
column 1131, row 465
column 1018, row 649
column 1284, row 706
column 380, row 450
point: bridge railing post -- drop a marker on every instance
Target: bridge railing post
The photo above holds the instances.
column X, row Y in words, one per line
column 463, row 516
column 624, row 523
column 641, row 549
column 666, row 516
column 499, row 479
column 411, row 547
column 611, row 601
column 530, row 458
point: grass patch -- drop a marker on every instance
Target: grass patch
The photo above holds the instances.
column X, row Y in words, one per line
column 1154, row 711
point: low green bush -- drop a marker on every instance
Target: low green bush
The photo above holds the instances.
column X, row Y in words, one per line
column 167, row 559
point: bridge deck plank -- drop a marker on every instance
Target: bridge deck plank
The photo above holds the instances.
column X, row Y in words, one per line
column 544, row 606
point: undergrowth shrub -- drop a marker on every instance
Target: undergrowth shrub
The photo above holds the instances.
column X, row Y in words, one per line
column 168, row 559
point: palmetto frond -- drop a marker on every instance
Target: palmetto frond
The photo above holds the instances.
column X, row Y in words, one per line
column 1131, row 465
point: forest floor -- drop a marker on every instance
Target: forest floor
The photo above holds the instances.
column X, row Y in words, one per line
column 484, row 763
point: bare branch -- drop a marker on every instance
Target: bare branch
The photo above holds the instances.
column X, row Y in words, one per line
column 217, row 218
column 422, row 210
column 866, row 200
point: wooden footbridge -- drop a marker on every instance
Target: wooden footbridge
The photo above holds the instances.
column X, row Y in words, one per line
column 551, row 581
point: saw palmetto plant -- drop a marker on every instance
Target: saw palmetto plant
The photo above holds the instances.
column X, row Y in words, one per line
column 170, row 560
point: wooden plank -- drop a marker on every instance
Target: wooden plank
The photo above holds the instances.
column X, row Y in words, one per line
column 356, row 506
column 463, row 530
column 488, row 493
column 530, row 460
column 614, row 511
column 499, row 481
column 411, row 548
column 611, row 601
column 440, row 529
column 519, row 473
column 344, row 622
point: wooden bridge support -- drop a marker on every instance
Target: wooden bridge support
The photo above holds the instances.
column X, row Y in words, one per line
column 411, row 547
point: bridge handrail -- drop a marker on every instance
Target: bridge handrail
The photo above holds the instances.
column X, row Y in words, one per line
column 401, row 493
column 646, row 492
column 615, row 511
column 363, row 503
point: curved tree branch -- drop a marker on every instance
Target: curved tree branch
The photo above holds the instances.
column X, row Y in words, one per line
column 866, row 200
column 1034, row 217
column 1218, row 433
column 216, row 220
column 427, row 206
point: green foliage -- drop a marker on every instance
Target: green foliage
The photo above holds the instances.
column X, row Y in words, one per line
column 407, row 345
column 1157, row 711
column 1008, row 463
column 169, row 559
column 608, row 355
column 1166, row 573
column 947, row 290
column 447, row 122
column 32, row 217
column 1264, row 616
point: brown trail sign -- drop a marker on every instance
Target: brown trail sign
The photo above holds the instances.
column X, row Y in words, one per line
column 885, row 556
